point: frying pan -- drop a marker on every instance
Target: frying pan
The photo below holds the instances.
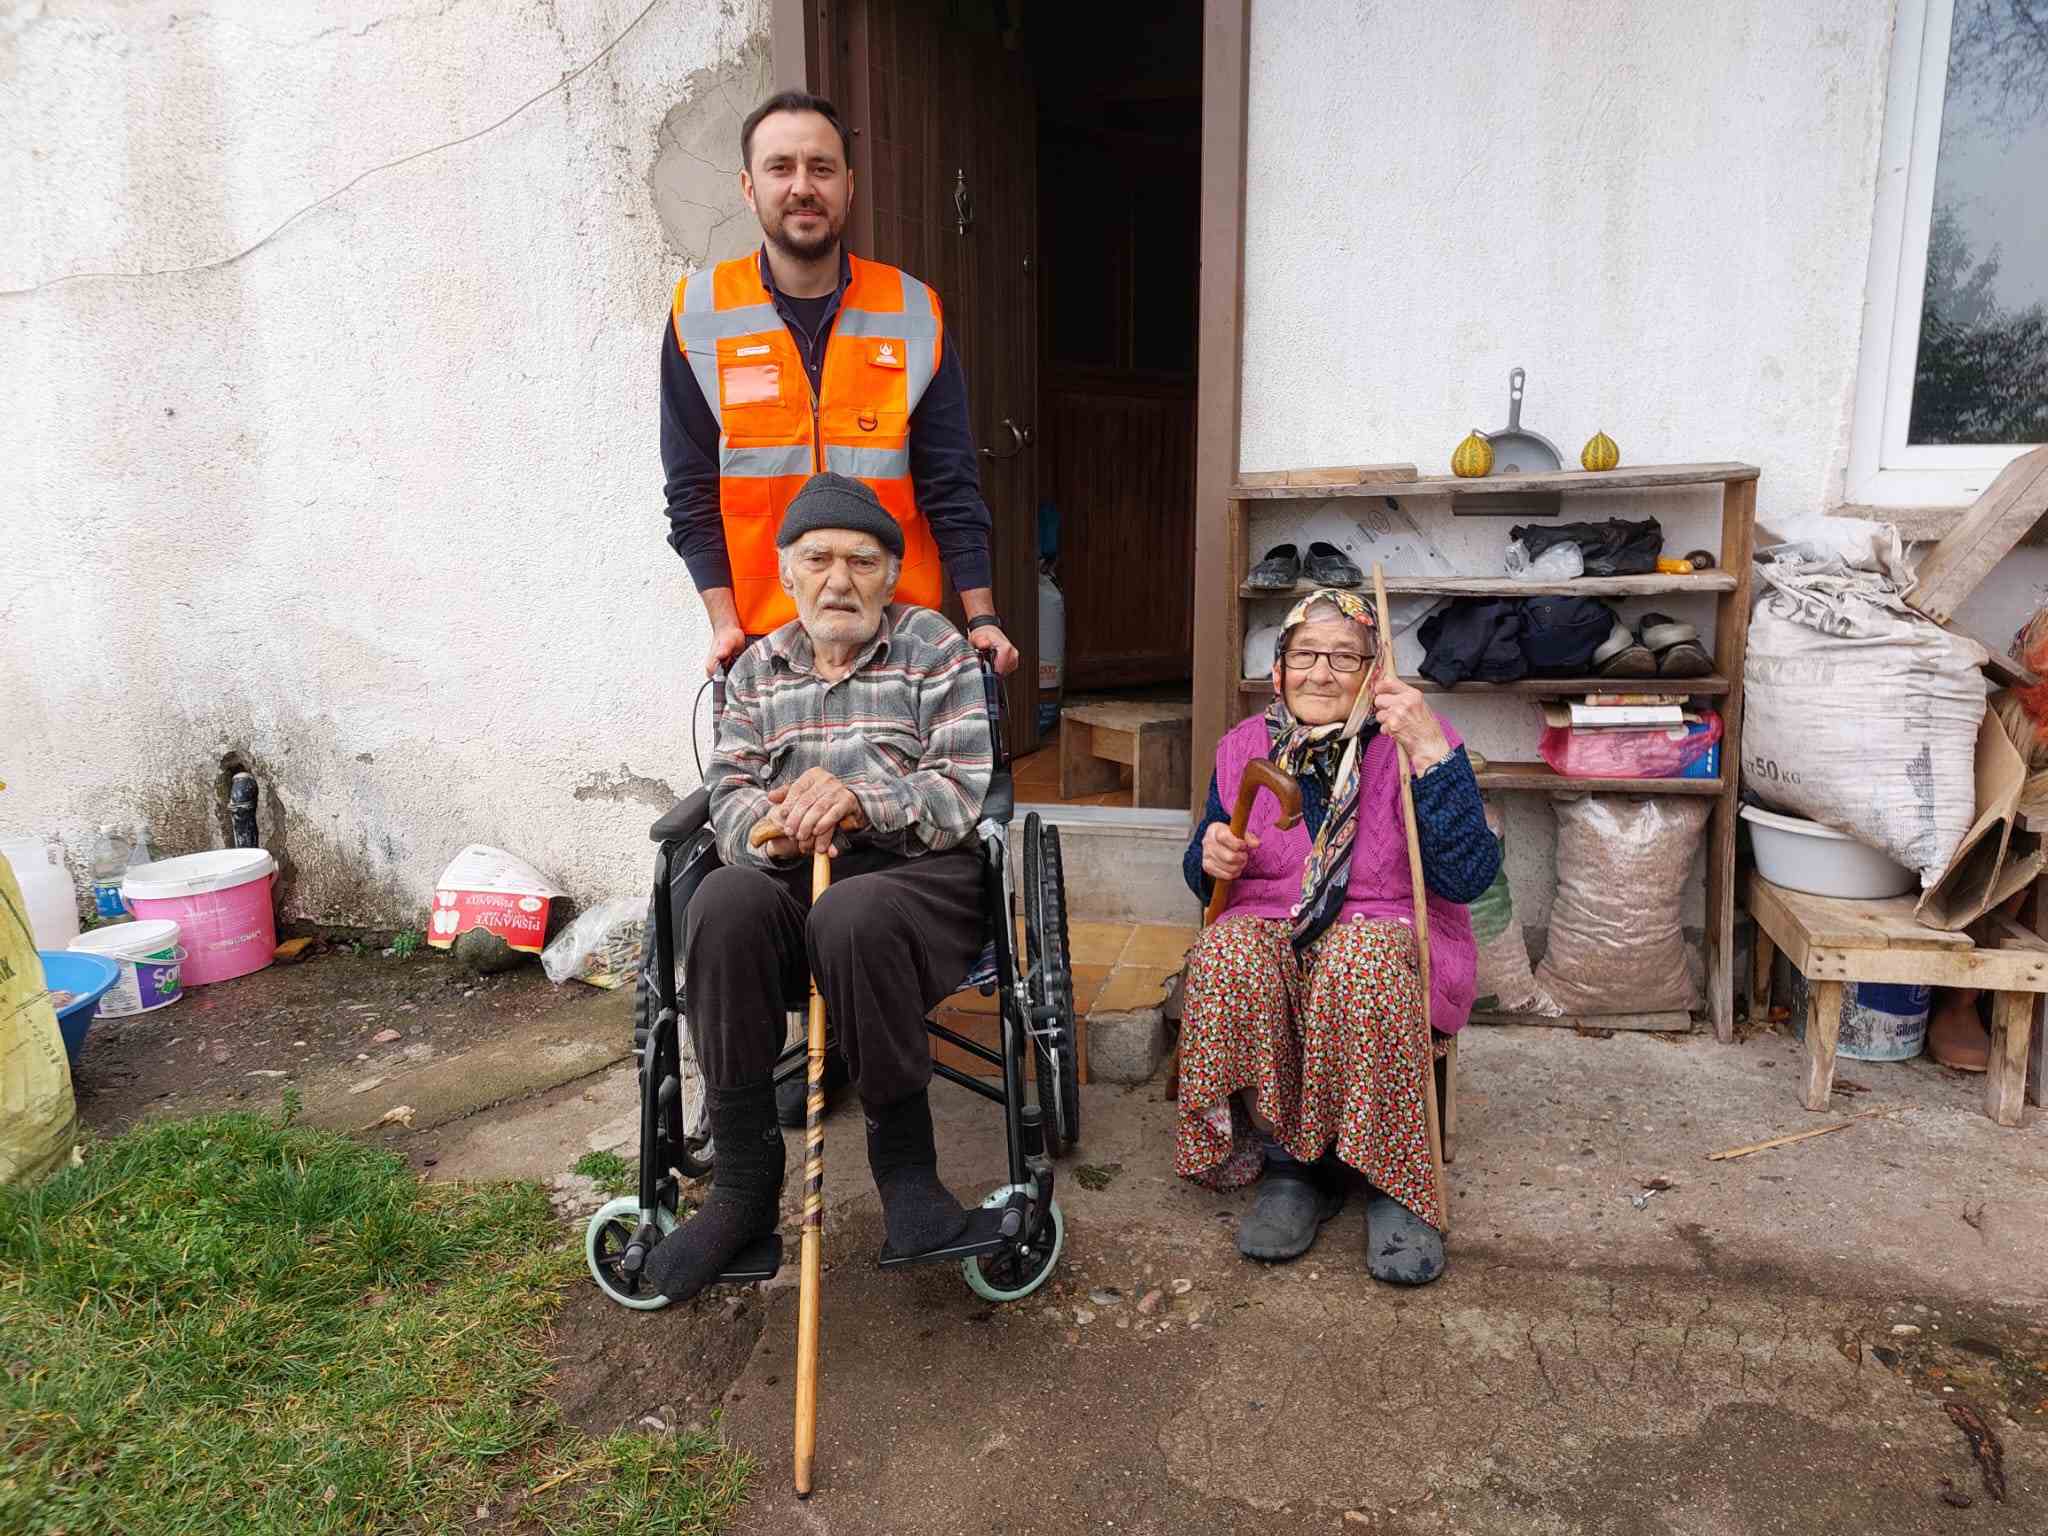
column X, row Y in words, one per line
column 1516, row 452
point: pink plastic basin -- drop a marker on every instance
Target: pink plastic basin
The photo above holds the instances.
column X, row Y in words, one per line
column 220, row 901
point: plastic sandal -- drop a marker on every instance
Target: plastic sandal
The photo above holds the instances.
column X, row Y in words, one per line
column 1278, row 572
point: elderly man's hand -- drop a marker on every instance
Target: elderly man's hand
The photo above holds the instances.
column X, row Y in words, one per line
column 812, row 809
column 1404, row 715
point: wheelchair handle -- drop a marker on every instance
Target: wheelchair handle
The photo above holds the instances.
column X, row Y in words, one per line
column 992, row 695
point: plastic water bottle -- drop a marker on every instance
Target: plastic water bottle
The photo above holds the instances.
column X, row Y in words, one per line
column 109, row 863
column 141, row 851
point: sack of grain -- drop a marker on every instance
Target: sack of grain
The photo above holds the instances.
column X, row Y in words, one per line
column 1503, row 980
column 1615, row 942
column 1859, row 713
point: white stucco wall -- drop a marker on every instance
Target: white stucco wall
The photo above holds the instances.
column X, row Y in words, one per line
column 376, row 507
column 1661, row 210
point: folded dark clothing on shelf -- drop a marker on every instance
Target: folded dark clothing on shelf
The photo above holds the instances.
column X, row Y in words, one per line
column 1474, row 638
column 1611, row 548
column 1560, row 634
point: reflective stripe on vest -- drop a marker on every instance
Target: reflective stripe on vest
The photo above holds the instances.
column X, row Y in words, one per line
column 775, row 431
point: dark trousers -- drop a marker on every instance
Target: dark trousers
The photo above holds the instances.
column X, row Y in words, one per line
column 889, row 940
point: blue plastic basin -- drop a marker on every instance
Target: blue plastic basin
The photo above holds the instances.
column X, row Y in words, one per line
column 87, row 976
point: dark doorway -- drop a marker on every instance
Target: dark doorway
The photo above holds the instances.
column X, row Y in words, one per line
column 1037, row 162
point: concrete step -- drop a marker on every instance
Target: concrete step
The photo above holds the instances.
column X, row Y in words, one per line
column 1121, row 866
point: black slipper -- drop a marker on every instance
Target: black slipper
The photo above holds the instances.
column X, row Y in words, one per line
column 1328, row 566
column 1278, row 572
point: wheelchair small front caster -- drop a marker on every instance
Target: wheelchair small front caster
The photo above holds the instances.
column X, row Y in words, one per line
column 605, row 1241
column 1014, row 1272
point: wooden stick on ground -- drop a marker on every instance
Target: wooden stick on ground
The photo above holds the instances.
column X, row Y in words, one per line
column 812, row 1275
column 1786, row 1141
column 1431, row 1115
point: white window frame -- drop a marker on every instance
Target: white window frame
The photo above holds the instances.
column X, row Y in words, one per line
column 1884, row 470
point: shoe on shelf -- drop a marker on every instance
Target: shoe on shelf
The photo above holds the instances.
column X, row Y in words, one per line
column 1329, row 566
column 1278, row 572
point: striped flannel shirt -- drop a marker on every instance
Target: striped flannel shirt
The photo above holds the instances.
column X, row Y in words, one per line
column 906, row 731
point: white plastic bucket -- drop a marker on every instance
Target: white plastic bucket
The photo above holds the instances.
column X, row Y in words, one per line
column 221, row 903
column 1805, row 856
column 149, row 961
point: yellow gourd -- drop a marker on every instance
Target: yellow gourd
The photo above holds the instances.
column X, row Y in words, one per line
column 1600, row 452
column 1473, row 458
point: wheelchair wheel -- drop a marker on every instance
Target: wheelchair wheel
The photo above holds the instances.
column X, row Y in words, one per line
column 604, row 1243
column 692, row 1157
column 1013, row 1274
column 1050, row 985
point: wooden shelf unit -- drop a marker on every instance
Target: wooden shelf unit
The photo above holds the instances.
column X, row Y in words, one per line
column 1728, row 585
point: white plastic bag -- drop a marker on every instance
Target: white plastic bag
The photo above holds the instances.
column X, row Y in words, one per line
column 601, row 947
column 1859, row 713
column 1560, row 562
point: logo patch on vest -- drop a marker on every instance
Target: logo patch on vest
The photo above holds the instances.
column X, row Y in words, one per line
column 886, row 354
column 757, row 351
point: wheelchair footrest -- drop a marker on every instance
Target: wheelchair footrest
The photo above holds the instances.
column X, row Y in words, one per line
column 757, row 1262
column 986, row 1231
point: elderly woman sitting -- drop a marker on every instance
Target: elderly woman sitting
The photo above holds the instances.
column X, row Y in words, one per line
column 1301, row 1045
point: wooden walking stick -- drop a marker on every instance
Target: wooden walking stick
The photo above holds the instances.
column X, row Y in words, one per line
column 811, row 1275
column 1429, row 1106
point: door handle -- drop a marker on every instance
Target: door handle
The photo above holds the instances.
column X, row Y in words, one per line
column 1020, row 439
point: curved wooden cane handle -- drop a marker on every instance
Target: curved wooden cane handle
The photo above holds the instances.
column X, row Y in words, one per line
column 1283, row 787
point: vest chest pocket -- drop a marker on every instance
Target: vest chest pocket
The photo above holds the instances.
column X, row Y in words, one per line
column 755, row 388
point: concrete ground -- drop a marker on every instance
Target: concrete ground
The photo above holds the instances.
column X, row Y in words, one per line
column 1772, row 1344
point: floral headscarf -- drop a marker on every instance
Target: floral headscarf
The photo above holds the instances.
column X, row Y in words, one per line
column 1327, row 751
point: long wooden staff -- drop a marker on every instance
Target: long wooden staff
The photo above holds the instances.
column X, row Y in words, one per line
column 811, row 1276
column 1429, row 1106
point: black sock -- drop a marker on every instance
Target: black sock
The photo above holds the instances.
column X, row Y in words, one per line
column 746, row 1194
column 918, row 1211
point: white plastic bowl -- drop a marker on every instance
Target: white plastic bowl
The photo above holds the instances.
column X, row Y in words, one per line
column 1806, row 856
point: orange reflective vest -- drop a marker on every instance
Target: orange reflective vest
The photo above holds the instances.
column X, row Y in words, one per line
column 775, row 431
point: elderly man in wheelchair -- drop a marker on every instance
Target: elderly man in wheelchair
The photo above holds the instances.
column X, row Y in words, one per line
column 860, row 730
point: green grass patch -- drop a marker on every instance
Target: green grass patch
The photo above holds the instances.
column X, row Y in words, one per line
column 231, row 1325
column 611, row 1173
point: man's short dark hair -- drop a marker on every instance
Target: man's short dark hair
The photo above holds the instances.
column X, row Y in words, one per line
column 792, row 101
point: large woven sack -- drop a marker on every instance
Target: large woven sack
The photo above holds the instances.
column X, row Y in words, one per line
column 1615, row 941
column 1860, row 714
column 38, row 1115
column 1503, row 981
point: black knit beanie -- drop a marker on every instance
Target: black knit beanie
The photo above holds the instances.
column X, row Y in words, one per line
column 839, row 501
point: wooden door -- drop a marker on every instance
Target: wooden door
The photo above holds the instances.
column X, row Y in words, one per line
column 941, row 108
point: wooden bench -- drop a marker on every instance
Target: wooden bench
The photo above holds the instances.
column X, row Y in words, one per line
column 1836, row 943
column 1150, row 737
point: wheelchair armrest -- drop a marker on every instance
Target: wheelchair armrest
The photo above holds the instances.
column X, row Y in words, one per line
column 1000, row 803
column 689, row 816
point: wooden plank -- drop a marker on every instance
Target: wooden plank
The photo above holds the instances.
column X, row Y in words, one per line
column 1705, row 582
column 1731, row 637
column 1160, row 776
column 2037, row 1050
column 1081, row 771
column 1993, row 970
column 1828, row 922
column 1548, row 687
column 1341, row 474
column 1129, row 714
column 1996, row 521
column 1763, row 960
column 1219, row 348
column 1631, row 478
column 2005, row 1074
column 1662, row 1023
column 1543, row 777
column 1824, row 1000
column 1113, row 745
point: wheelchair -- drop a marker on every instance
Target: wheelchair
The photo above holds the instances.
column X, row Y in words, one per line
column 1013, row 1241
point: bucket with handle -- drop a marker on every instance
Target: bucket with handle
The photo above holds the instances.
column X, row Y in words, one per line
column 220, row 901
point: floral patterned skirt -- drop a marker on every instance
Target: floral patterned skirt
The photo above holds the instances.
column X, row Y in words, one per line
column 1328, row 1041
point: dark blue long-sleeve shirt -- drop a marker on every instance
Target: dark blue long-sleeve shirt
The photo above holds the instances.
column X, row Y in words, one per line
column 1460, row 854
column 945, row 474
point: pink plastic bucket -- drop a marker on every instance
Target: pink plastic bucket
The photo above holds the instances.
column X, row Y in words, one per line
column 221, row 904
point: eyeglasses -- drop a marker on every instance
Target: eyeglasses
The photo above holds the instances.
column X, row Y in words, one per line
column 1340, row 661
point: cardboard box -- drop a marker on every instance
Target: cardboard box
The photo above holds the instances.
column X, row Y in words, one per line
column 1997, row 856
column 486, row 887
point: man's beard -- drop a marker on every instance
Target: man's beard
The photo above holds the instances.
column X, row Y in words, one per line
column 801, row 248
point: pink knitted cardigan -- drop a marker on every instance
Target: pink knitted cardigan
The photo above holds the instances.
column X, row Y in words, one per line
column 1380, row 890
